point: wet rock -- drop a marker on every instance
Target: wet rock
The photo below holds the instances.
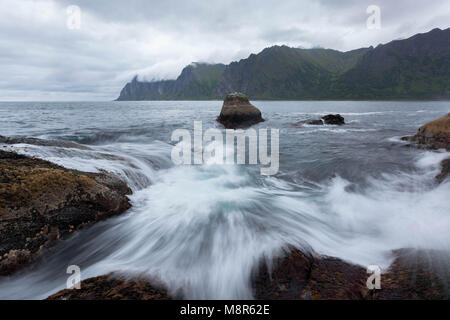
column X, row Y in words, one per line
column 42, row 142
column 41, row 202
column 434, row 134
column 414, row 274
column 335, row 119
column 237, row 112
column 308, row 276
column 110, row 287
column 314, row 122
column 445, row 164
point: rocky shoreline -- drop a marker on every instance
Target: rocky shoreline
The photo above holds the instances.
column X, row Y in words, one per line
column 41, row 203
column 414, row 275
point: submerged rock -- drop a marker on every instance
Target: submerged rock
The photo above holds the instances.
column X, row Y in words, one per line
column 334, row 119
column 42, row 142
column 111, row 288
column 318, row 122
column 238, row 112
column 41, row 202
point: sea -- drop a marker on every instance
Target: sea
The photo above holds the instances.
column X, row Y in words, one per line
column 355, row 191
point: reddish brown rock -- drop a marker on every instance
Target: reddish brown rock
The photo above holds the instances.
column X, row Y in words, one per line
column 306, row 276
column 110, row 287
column 414, row 274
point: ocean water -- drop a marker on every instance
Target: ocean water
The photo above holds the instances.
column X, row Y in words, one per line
column 355, row 192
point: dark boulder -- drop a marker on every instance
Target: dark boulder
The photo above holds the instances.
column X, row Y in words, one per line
column 335, row 119
column 237, row 112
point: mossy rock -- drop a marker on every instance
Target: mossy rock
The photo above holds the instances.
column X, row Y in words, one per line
column 41, row 202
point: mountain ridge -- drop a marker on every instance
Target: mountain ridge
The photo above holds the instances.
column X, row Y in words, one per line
column 415, row 68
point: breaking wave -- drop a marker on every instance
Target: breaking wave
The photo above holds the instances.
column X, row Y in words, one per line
column 203, row 229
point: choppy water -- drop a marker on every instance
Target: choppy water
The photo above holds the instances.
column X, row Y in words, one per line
column 355, row 192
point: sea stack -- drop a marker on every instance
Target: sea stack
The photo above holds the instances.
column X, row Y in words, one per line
column 238, row 113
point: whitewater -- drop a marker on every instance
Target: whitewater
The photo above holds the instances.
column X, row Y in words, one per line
column 356, row 192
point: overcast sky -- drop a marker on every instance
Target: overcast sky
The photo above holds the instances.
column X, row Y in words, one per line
column 41, row 58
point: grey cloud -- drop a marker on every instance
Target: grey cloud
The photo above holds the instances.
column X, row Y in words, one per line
column 41, row 59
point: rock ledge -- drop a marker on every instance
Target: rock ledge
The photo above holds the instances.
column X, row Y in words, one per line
column 41, row 202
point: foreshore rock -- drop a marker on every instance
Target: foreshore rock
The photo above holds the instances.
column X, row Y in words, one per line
column 414, row 274
column 42, row 142
column 434, row 134
column 445, row 164
column 237, row 112
column 109, row 287
column 41, row 202
column 303, row 276
column 334, row 119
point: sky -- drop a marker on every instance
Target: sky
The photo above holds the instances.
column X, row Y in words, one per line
column 87, row 50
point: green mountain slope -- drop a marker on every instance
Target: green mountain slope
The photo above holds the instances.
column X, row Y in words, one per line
column 196, row 81
column 414, row 68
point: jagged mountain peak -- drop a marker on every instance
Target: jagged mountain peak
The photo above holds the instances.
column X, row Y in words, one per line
column 414, row 68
